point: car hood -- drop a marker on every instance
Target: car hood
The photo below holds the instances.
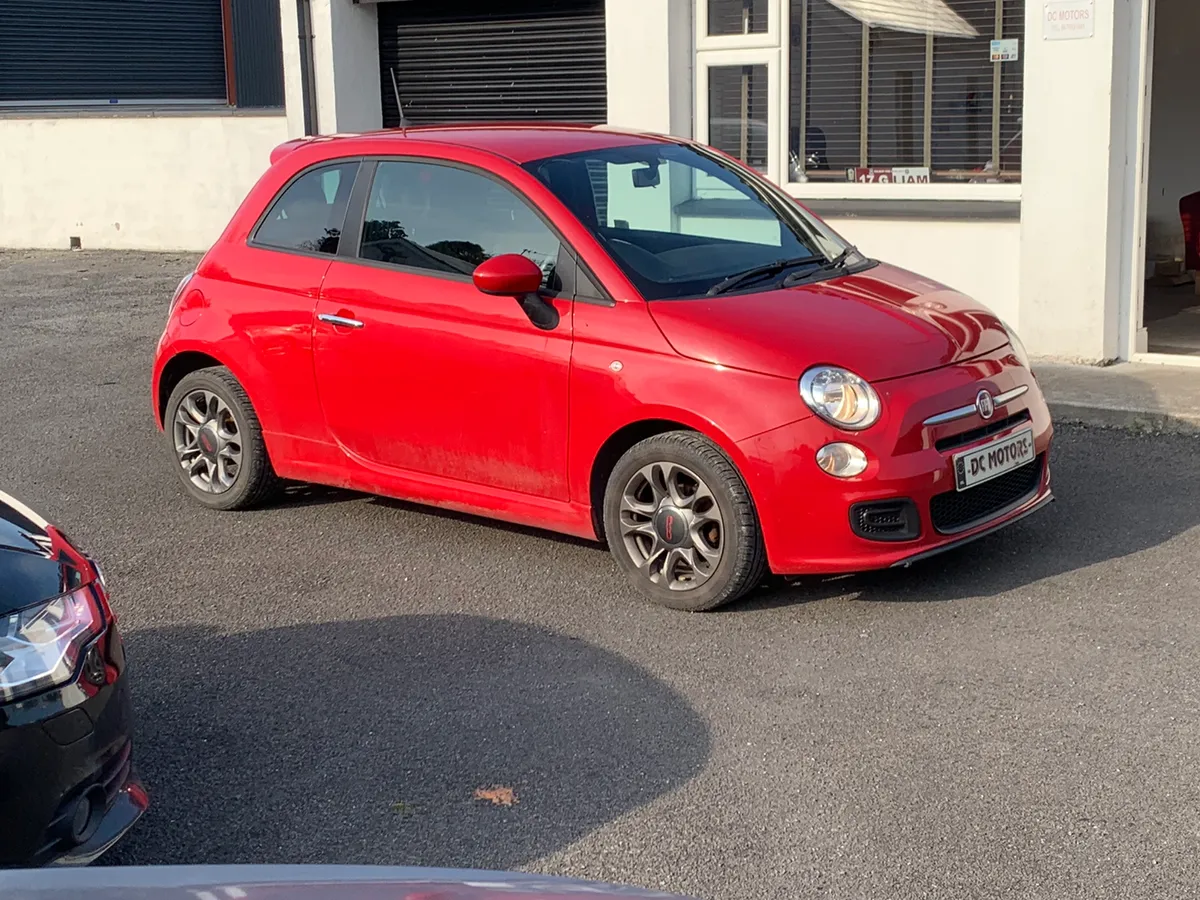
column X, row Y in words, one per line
column 880, row 323
column 36, row 560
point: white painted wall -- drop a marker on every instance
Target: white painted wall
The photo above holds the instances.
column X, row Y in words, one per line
column 980, row 258
column 1174, row 123
column 649, row 64
column 345, row 67
column 1072, row 192
column 293, row 86
column 138, row 182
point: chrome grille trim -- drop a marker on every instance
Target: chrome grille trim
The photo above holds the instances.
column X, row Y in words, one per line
column 963, row 412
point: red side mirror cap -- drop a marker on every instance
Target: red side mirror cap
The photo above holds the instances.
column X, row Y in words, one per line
column 508, row 275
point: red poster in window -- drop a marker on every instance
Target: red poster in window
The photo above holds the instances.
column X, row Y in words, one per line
column 892, row 175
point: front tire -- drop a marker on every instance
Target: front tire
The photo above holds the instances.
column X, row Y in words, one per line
column 681, row 523
column 215, row 441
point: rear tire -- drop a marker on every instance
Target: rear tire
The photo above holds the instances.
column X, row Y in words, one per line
column 215, row 442
column 681, row 524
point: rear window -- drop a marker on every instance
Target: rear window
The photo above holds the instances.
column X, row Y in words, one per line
column 308, row 215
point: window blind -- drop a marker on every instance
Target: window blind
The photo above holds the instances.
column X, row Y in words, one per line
column 727, row 17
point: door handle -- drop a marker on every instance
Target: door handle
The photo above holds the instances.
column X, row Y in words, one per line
column 339, row 320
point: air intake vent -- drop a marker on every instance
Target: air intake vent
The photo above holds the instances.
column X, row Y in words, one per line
column 956, row 511
column 886, row 520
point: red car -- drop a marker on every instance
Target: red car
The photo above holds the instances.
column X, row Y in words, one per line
column 619, row 336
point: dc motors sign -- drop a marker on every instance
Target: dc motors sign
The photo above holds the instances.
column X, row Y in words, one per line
column 1067, row 20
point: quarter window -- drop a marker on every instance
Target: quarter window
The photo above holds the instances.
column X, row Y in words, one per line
column 308, row 215
column 446, row 219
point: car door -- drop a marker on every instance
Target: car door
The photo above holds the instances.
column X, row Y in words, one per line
column 418, row 370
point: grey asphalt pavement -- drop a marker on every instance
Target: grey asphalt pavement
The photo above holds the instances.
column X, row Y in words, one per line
column 331, row 679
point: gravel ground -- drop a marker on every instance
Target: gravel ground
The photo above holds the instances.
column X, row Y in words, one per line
column 331, row 679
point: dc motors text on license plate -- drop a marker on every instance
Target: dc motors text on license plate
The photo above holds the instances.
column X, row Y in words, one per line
column 995, row 459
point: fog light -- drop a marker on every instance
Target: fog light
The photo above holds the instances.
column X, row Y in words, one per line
column 842, row 460
column 85, row 818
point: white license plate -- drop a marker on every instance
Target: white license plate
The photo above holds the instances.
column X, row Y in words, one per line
column 991, row 460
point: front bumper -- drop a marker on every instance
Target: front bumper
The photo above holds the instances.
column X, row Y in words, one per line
column 61, row 750
column 806, row 514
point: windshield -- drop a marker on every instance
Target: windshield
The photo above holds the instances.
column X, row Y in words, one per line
column 680, row 222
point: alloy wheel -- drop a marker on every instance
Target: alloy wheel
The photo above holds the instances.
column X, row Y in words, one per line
column 671, row 526
column 208, row 445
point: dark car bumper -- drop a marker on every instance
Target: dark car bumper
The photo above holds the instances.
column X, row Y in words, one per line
column 66, row 760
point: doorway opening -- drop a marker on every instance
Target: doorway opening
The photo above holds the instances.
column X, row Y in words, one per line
column 1171, row 300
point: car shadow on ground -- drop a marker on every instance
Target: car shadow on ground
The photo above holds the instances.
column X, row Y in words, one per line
column 1095, row 518
column 376, row 734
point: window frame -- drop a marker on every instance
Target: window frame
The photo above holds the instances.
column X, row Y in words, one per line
column 771, row 47
column 252, row 237
column 715, row 59
column 758, row 40
column 356, row 211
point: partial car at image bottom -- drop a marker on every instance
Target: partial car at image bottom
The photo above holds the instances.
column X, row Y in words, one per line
column 625, row 337
column 68, row 791
column 307, row 882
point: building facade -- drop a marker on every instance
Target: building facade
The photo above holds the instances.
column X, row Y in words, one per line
column 1003, row 147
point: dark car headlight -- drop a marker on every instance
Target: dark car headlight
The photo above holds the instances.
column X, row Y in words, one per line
column 41, row 647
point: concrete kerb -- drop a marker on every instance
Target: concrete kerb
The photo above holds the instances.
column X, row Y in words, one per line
column 1147, row 399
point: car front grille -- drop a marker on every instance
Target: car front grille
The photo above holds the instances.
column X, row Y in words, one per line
column 978, row 434
column 956, row 511
column 886, row 520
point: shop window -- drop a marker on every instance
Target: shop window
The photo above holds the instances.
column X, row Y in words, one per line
column 726, row 17
column 140, row 53
column 928, row 91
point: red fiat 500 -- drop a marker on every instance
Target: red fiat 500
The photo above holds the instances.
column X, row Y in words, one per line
column 614, row 335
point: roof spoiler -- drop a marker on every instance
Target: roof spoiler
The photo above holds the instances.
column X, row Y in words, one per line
column 287, row 147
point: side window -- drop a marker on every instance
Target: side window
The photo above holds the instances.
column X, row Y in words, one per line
column 446, row 219
column 308, row 215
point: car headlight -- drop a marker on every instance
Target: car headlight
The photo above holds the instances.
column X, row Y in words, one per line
column 1018, row 348
column 41, row 647
column 840, row 397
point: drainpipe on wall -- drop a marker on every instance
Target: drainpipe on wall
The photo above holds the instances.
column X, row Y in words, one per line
column 307, row 73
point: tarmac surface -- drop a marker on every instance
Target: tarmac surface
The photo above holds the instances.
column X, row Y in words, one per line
column 333, row 678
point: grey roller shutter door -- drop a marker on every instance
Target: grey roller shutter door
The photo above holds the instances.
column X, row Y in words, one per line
column 480, row 60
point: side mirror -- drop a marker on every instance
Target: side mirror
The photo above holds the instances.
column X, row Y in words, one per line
column 514, row 275
column 508, row 275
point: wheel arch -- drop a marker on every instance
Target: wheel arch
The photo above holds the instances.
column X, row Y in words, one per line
column 632, row 433
column 184, row 362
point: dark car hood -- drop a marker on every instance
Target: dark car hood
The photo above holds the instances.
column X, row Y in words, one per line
column 881, row 323
column 300, row 883
column 36, row 561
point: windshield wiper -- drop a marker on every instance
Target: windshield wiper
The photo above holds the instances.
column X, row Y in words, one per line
column 771, row 268
column 830, row 265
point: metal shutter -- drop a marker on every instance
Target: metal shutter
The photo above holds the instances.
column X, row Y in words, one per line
column 257, row 53
column 101, row 50
column 479, row 60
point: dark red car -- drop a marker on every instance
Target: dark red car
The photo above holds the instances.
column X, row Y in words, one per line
column 614, row 335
